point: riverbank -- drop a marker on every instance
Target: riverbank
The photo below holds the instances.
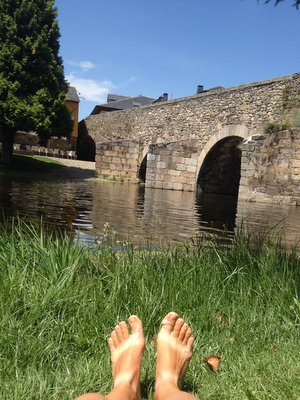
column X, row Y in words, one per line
column 59, row 302
column 50, row 167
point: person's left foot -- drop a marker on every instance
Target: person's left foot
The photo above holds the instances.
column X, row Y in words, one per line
column 126, row 354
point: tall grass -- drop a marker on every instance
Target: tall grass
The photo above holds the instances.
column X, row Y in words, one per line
column 59, row 302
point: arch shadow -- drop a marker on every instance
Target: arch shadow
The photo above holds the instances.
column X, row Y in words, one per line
column 143, row 165
column 85, row 146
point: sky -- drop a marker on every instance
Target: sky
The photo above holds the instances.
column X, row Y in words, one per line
column 149, row 47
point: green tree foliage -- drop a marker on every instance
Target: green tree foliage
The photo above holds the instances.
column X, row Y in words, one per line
column 32, row 83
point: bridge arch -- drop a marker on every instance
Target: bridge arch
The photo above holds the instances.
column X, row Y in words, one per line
column 219, row 163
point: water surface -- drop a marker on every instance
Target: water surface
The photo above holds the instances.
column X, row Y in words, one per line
column 140, row 214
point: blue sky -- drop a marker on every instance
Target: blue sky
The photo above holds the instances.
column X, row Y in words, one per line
column 149, row 47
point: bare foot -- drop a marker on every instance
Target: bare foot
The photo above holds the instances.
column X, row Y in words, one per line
column 126, row 354
column 174, row 351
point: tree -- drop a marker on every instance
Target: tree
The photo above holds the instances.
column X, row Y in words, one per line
column 296, row 3
column 32, row 83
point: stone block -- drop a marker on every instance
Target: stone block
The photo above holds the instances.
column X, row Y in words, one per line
column 178, row 160
column 190, row 162
column 151, row 164
column 104, row 171
column 243, row 181
column 114, row 153
column 150, row 157
column 178, row 186
column 181, row 179
column 188, row 175
column 173, row 172
column 106, row 159
column 164, row 157
column 161, row 165
column 160, row 177
column 188, row 187
column 295, row 163
column 149, row 178
column 191, row 168
column 168, row 185
column 295, row 171
column 181, row 167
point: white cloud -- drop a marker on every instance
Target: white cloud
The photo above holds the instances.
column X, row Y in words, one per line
column 87, row 65
column 84, row 65
column 90, row 89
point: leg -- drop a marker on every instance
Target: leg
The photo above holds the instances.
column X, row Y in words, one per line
column 174, row 351
column 126, row 352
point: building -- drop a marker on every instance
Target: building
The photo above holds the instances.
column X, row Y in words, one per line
column 72, row 104
column 116, row 102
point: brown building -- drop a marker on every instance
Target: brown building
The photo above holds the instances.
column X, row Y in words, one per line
column 72, row 104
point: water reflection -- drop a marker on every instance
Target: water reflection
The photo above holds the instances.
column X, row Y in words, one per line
column 279, row 221
column 140, row 214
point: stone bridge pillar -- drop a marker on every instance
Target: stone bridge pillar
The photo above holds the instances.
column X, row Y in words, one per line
column 173, row 165
column 119, row 160
column 270, row 170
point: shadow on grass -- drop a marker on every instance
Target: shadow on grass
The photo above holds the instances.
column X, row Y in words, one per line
column 32, row 165
column 147, row 386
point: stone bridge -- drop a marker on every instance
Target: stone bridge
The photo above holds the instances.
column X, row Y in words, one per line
column 213, row 141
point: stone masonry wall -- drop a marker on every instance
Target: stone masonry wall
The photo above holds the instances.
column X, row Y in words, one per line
column 270, row 170
column 172, row 166
column 118, row 160
column 252, row 105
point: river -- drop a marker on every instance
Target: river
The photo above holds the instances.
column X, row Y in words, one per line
column 141, row 215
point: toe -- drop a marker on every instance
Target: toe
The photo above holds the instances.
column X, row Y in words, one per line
column 119, row 333
column 187, row 335
column 190, row 343
column 178, row 327
column 135, row 324
column 183, row 331
column 114, row 339
column 169, row 322
column 124, row 330
column 111, row 344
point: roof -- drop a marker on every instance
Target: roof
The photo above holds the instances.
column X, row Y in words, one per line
column 123, row 104
column 72, row 94
column 116, row 97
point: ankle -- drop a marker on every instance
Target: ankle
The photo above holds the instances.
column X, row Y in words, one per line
column 124, row 389
column 164, row 387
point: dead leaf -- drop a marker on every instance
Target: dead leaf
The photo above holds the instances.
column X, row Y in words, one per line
column 213, row 362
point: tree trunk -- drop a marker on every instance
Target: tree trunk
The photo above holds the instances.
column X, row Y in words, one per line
column 7, row 146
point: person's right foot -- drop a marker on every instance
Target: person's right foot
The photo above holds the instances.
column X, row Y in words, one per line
column 174, row 351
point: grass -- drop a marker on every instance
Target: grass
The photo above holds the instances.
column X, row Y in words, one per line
column 60, row 301
column 32, row 164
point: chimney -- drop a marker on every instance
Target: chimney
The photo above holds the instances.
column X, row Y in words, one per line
column 165, row 96
column 199, row 89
